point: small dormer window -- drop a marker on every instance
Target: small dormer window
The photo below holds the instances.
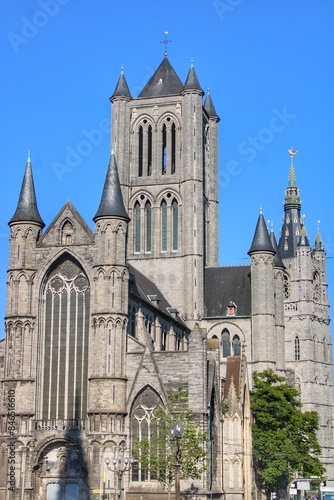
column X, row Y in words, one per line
column 231, row 309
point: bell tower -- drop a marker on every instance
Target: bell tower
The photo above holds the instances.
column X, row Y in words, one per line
column 166, row 140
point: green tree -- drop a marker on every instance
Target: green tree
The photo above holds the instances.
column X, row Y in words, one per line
column 161, row 455
column 284, row 437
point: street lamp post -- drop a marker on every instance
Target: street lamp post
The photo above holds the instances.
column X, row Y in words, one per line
column 175, row 434
column 119, row 466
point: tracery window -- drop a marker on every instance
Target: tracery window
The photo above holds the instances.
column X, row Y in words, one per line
column 66, row 302
column 144, row 426
column 145, row 144
column 168, row 146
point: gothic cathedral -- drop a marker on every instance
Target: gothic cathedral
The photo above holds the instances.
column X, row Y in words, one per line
column 102, row 324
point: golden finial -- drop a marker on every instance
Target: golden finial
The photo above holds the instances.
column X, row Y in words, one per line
column 292, row 153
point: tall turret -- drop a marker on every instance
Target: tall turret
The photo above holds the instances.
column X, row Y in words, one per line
column 21, row 309
column 263, row 304
column 110, row 307
column 211, row 184
column 279, row 303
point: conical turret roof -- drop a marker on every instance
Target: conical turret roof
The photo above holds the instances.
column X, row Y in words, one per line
column 163, row 82
column 318, row 243
column 261, row 241
column 192, row 82
column 111, row 204
column 209, row 107
column 121, row 89
column 277, row 259
column 26, row 210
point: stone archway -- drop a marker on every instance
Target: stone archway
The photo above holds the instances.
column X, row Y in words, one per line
column 61, row 472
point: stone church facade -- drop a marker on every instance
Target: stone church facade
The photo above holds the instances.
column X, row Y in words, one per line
column 102, row 324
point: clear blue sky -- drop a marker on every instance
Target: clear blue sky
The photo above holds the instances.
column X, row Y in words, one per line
column 269, row 67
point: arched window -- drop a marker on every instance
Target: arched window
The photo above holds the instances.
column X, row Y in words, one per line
column 144, row 426
column 67, row 233
column 137, row 227
column 163, row 226
column 66, row 302
column 175, row 223
column 164, row 150
column 140, row 151
column 148, row 226
column 173, row 149
column 236, row 346
column 297, row 348
column 226, row 347
column 149, row 150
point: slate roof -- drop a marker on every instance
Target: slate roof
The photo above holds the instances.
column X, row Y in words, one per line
column 111, row 204
column 209, row 107
column 277, row 259
column 143, row 288
column 223, row 284
column 192, row 82
column 163, row 82
column 26, row 210
column 261, row 241
column 121, row 89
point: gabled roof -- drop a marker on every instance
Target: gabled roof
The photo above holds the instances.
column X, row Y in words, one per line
column 232, row 375
column 83, row 233
column 261, row 241
column 163, row 82
column 223, row 284
column 26, row 210
column 146, row 291
column 111, row 204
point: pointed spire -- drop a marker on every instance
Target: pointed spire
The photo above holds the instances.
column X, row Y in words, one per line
column 111, row 204
column 192, row 82
column 292, row 196
column 26, row 210
column 303, row 240
column 121, row 89
column 277, row 259
column 318, row 243
column 292, row 234
column 261, row 241
column 209, row 106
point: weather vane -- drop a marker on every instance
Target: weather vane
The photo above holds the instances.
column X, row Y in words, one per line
column 165, row 41
column 292, row 153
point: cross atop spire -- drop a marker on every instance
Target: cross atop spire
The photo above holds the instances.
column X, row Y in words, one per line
column 166, row 42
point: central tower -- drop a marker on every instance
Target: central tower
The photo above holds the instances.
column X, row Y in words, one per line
column 166, row 143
